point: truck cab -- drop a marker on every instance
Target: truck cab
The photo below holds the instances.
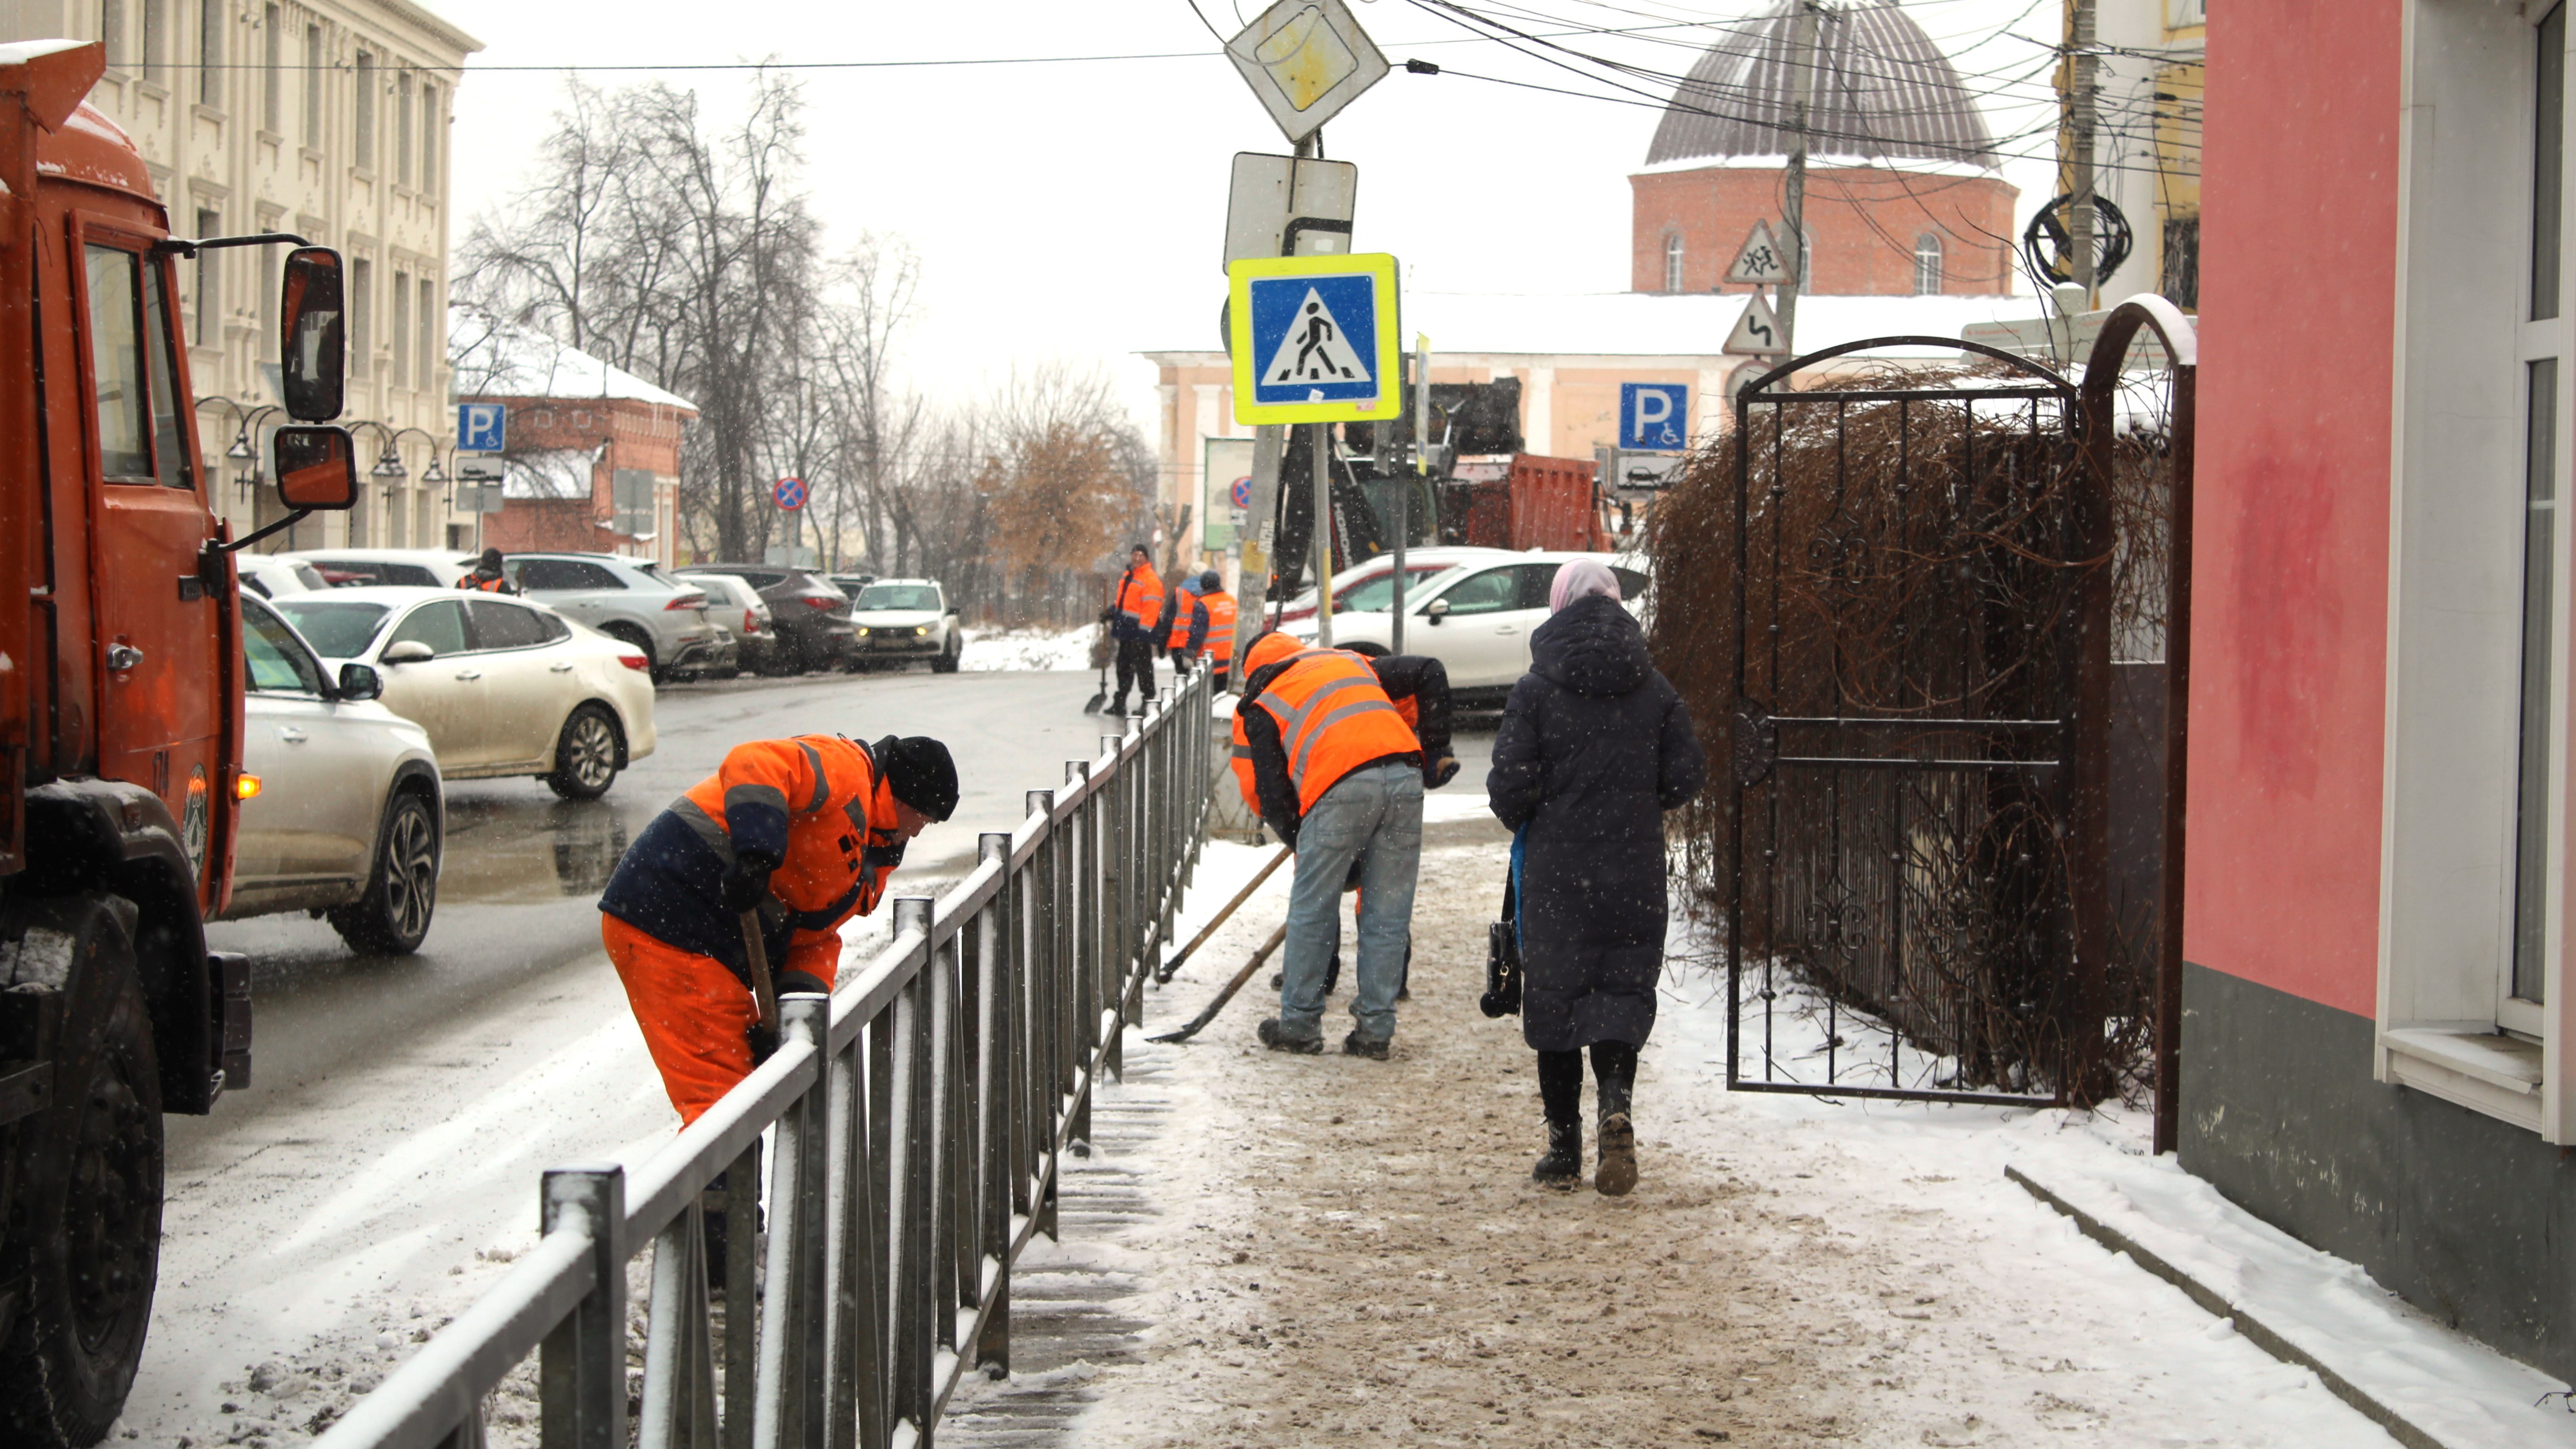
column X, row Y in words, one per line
column 120, row 729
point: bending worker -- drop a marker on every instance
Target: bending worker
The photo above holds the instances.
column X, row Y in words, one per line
column 1325, row 753
column 1135, row 620
column 802, row 830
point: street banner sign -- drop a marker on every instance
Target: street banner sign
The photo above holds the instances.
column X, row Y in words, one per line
column 1761, row 261
column 1289, row 206
column 1306, row 59
column 1314, row 339
column 479, row 427
column 1654, row 416
column 789, row 493
column 1757, row 332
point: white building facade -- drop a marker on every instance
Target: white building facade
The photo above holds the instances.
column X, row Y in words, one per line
column 327, row 119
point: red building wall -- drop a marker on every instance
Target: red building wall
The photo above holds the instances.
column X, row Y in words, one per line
column 2290, row 587
column 1862, row 223
column 638, row 434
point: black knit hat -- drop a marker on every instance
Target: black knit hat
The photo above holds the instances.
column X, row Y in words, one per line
column 918, row 770
column 1209, row 583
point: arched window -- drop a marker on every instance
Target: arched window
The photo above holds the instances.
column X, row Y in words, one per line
column 1927, row 265
column 1672, row 261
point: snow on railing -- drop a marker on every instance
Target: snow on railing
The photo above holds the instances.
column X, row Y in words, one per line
column 921, row 1114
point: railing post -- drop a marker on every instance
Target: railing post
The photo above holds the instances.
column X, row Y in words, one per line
column 915, row 1272
column 1084, row 1025
column 1041, row 1096
column 996, row 1062
column 742, row 1302
column 788, row 1409
column 1119, row 874
column 581, row 1368
column 854, row 1347
column 679, row 1405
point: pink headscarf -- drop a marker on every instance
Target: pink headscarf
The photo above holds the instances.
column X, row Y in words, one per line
column 1579, row 578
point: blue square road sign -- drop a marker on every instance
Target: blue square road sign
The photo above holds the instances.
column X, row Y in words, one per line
column 479, row 427
column 1313, row 338
column 1654, row 416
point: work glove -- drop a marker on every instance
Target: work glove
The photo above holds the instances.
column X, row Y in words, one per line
column 746, row 881
column 1108, row 616
column 764, row 1042
column 1442, row 771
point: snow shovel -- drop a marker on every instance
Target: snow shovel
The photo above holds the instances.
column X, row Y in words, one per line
column 1231, row 987
column 1163, row 976
column 1099, row 697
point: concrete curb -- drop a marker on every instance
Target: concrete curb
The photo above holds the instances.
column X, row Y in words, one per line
column 2254, row 1329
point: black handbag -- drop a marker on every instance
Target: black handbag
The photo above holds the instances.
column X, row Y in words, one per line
column 1503, row 960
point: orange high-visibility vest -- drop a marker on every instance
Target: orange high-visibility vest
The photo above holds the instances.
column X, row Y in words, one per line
column 836, row 807
column 1333, row 717
column 1140, row 597
column 1220, row 634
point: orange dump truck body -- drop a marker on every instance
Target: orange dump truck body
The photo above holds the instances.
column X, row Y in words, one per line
column 1529, row 501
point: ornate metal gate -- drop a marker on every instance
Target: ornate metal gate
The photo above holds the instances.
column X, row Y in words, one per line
column 1916, row 821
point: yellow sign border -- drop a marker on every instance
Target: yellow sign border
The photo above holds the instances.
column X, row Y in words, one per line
column 1386, row 407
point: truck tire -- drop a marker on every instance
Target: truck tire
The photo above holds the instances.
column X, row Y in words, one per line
column 402, row 889
column 89, row 1171
column 586, row 754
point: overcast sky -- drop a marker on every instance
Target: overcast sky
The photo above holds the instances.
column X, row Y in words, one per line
column 1077, row 211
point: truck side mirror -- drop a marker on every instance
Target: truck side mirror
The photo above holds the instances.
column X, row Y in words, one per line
column 314, row 358
column 317, row 468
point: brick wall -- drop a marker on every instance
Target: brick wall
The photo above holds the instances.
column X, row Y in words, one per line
column 1863, row 223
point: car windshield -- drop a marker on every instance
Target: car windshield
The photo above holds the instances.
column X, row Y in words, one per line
column 1377, row 595
column 899, row 596
column 339, row 628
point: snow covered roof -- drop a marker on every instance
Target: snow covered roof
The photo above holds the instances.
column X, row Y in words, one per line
column 1649, row 324
column 502, row 359
column 1881, row 89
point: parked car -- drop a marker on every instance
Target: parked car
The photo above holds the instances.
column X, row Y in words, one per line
column 503, row 686
column 1476, row 618
column 810, row 616
column 347, row 818
column 755, row 634
column 629, row 599
column 427, row 568
column 905, row 619
column 850, row 584
column 1369, row 587
column 270, row 575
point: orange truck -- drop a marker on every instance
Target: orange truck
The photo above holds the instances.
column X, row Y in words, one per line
column 1524, row 501
column 120, row 727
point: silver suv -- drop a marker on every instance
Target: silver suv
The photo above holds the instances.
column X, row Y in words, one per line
column 627, row 599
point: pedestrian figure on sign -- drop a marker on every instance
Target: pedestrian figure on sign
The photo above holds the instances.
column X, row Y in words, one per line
column 1318, row 332
column 1595, row 746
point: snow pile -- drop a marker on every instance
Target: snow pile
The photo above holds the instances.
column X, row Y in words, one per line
column 1026, row 649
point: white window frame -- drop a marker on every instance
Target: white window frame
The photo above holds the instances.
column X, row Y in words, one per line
column 1929, row 283
column 2447, row 1022
column 1674, row 257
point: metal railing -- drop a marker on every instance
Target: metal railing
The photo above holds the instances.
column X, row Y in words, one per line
column 921, row 1115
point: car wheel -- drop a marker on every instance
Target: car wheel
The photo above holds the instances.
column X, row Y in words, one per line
column 402, row 893
column 89, row 1180
column 947, row 660
column 585, row 755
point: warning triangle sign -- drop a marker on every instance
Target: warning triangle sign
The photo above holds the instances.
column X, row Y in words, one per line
column 1757, row 331
column 1314, row 349
column 1760, row 261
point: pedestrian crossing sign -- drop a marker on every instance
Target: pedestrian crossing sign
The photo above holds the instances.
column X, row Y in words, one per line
column 1314, row 339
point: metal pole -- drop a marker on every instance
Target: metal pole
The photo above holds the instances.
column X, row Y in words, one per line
column 2079, row 205
column 582, row 1366
column 1323, row 441
column 1404, row 495
column 1802, row 88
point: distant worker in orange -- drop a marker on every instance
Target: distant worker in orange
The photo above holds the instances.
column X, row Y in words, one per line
column 1216, row 646
column 804, row 831
column 1331, row 760
column 487, row 575
column 1135, row 620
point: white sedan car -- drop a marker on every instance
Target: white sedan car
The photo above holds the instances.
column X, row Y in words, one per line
column 346, row 817
column 503, row 686
column 1475, row 619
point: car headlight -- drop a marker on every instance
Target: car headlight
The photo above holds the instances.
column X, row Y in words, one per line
column 920, row 629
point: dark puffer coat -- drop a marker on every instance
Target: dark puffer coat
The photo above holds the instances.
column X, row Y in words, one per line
column 1595, row 747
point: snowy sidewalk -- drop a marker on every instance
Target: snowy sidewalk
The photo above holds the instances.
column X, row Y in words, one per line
column 1351, row 1248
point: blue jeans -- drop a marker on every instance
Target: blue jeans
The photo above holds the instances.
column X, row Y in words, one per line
column 1373, row 816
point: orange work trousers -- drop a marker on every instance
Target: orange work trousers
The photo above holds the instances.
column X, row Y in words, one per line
column 694, row 1013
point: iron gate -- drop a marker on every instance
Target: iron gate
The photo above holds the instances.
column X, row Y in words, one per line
column 1921, row 668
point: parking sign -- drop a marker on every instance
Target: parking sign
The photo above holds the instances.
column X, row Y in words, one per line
column 1654, row 416
column 479, row 427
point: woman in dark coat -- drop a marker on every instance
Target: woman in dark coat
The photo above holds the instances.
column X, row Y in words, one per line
column 1595, row 746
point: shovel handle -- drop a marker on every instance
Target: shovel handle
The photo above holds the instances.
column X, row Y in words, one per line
column 763, row 990
column 1169, row 967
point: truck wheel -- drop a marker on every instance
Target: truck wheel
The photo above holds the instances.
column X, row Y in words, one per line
column 402, row 892
column 90, row 1169
column 585, row 755
column 948, row 658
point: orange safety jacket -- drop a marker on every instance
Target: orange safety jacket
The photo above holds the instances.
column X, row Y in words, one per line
column 813, row 804
column 1220, row 627
column 489, row 586
column 1139, row 604
column 1331, row 717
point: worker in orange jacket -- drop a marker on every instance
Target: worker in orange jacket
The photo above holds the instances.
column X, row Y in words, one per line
column 1330, row 761
column 487, row 576
column 803, row 831
column 1135, row 620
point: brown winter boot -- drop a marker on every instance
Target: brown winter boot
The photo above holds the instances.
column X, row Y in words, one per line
column 1618, row 1170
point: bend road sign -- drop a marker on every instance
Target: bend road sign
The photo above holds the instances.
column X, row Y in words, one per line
column 479, row 427
column 1313, row 339
column 789, row 492
column 1654, row 416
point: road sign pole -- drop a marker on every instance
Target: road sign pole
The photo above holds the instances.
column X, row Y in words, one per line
column 1794, row 206
column 1260, row 535
column 1421, row 469
column 1323, row 443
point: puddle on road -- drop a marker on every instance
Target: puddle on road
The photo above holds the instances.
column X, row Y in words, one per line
column 517, row 849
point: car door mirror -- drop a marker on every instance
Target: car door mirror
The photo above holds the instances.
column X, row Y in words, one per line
column 1436, row 610
column 317, row 468
column 360, row 682
column 313, row 360
column 408, row 651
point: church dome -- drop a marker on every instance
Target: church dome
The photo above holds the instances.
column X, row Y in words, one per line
column 1883, row 91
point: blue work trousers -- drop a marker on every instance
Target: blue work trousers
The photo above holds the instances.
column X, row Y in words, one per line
column 1373, row 816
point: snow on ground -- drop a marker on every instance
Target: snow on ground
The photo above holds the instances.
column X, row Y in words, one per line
column 1353, row 1248
column 998, row 649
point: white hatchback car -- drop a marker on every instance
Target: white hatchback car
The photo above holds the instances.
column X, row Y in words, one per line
column 503, row 686
column 903, row 619
column 346, row 820
column 1476, row 618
